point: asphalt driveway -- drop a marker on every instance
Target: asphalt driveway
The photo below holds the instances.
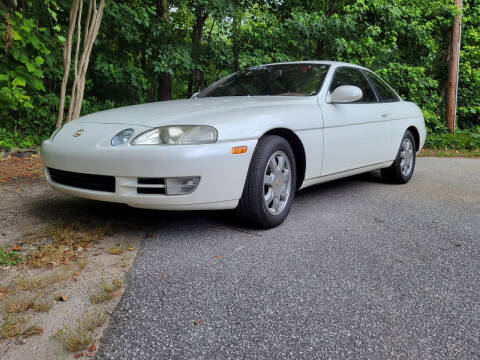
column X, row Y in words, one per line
column 360, row 270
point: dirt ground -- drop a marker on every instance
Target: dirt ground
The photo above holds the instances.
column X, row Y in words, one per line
column 28, row 206
column 20, row 167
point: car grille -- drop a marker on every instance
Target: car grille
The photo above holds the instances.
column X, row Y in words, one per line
column 83, row 181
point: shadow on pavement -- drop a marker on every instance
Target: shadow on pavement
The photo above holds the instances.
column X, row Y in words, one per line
column 64, row 208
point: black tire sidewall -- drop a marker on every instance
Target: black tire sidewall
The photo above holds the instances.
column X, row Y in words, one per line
column 266, row 147
column 398, row 170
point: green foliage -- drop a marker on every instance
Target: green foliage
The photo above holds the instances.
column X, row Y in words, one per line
column 464, row 140
column 406, row 42
column 9, row 258
column 28, row 66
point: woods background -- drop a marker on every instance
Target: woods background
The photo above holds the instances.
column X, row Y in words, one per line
column 158, row 50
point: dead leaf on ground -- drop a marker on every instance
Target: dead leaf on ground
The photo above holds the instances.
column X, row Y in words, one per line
column 78, row 355
column 16, row 248
column 62, row 297
column 130, row 248
column 218, row 257
column 5, row 290
column 196, row 322
column 92, row 348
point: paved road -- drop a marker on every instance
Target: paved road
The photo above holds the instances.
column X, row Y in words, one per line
column 360, row 270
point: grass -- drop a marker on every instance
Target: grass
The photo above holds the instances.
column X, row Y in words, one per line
column 9, row 258
column 81, row 336
column 450, row 153
column 15, row 325
column 64, row 240
column 43, row 304
column 76, row 339
column 20, row 303
column 24, row 302
column 59, row 253
column 92, row 320
column 73, row 235
column 51, row 255
column 42, row 282
column 106, row 292
column 124, row 261
column 116, row 250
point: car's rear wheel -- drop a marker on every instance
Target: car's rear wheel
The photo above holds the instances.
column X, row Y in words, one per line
column 270, row 185
column 401, row 171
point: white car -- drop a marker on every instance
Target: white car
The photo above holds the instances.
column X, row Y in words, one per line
column 247, row 142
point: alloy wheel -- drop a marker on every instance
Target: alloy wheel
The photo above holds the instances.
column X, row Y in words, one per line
column 277, row 182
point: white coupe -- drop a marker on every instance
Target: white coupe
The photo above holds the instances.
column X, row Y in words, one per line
column 247, row 142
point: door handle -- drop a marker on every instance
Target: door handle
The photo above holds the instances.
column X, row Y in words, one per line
column 385, row 114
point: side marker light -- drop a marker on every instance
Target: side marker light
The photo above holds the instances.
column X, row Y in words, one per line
column 239, row 150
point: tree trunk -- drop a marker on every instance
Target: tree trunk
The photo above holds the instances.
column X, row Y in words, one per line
column 67, row 59
column 164, row 87
column 235, row 38
column 196, row 75
column 164, row 79
column 451, row 101
column 92, row 25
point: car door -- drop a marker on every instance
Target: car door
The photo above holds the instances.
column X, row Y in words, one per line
column 391, row 109
column 355, row 133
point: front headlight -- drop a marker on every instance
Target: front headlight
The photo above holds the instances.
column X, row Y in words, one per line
column 122, row 137
column 177, row 135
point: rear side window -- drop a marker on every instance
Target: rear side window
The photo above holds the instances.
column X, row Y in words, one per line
column 384, row 91
column 353, row 77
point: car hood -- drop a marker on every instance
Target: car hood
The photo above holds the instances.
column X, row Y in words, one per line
column 204, row 111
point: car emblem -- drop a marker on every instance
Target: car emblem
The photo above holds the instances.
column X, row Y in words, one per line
column 78, row 132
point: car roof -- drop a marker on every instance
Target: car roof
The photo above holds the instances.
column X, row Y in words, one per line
column 320, row 62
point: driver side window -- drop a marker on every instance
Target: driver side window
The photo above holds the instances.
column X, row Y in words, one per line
column 353, row 77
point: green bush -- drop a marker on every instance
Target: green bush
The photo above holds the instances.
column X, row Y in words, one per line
column 29, row 76
column 465, row 140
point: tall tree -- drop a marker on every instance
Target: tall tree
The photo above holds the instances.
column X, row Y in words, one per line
column 196, row 76
column 92, row 24
column 237, row 18
column 164, row 78
column 453, row 64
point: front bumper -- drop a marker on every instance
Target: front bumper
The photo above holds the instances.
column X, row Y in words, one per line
column 222, row 174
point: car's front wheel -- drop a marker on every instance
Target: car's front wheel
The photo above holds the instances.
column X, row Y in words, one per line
column 401, row 171
column 270, row 185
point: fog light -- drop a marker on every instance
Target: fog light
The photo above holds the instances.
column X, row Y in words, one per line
column 181, row 186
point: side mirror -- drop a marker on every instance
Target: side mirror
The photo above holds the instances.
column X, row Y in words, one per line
column 345, row 94
column 194, row 95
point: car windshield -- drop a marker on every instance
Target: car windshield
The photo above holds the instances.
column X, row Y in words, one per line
column 271, row 80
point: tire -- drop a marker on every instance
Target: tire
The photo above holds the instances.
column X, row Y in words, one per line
column 401, row 171
column 270, row 186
